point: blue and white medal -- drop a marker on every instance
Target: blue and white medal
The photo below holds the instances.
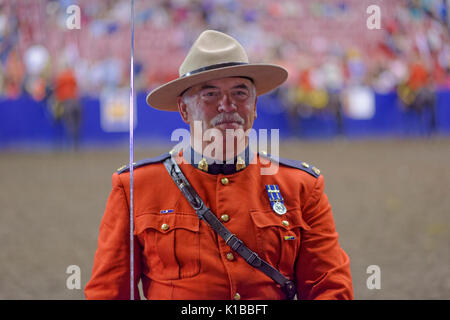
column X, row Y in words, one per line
column 275, row 198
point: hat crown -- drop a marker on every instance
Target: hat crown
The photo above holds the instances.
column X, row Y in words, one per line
column 211, row 48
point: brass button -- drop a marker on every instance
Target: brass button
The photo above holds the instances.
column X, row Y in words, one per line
column 237, row 296
column 225, row 218
column 230, row 256
column 165, row 226
column 203, row 165
column 224, row 181
column 316, row 171
column 305, row 165
column 285, row 223
column 240, row 163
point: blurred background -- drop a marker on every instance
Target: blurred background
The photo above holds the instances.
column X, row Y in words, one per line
column 369, row 106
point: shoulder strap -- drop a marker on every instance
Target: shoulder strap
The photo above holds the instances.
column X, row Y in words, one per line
column 231, row 240
column 301, row 165
column 143, row 162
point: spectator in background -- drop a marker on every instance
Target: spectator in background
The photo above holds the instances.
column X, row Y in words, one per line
column 417, row 93
column 37, row 65
column 14, row 75
column 67, row 106
column 334, row 81
column 1, row 79
column 288, row 95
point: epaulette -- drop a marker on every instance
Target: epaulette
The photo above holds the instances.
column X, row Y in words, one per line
column 293, row 164
column 143, row 162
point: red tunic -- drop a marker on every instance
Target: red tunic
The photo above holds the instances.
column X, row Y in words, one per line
column 177, row 256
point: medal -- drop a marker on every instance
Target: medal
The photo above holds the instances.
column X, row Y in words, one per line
column 275, row 198
column 279, row 208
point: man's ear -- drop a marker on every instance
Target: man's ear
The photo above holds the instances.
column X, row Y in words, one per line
column 182, row 108
column 256, row 114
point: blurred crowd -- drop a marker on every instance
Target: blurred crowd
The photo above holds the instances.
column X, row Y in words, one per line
column 326, row 45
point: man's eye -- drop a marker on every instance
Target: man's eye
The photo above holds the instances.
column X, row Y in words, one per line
column 241, row 93
column 210, row 94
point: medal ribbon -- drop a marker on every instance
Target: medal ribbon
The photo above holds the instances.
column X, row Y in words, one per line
column 274, row 194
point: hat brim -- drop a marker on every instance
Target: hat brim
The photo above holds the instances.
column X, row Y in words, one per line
column 266, row 77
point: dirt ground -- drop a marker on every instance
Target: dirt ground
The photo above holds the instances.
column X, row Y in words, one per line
column 390, row 201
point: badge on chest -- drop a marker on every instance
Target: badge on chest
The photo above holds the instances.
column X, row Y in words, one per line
column 275, row 198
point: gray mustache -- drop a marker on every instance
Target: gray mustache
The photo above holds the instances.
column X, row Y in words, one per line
column 227, row 117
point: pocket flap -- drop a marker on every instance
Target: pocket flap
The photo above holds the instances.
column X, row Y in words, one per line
column 165, row 223
column 269, row 218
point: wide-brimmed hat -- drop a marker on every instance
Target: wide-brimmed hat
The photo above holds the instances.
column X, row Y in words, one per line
column 215, row 55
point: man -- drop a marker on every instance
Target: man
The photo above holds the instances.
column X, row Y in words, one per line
column 284, row 217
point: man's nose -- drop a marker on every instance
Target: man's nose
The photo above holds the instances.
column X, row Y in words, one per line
column 226, row 104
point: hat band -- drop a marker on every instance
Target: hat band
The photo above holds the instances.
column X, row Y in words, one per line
column 213, row 66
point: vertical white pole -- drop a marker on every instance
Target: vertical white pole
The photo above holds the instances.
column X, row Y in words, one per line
column 131, row 154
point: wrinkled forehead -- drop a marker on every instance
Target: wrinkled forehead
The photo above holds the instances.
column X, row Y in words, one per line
column 222, row 83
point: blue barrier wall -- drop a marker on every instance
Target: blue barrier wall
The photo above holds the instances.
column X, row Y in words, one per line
column 26, row 122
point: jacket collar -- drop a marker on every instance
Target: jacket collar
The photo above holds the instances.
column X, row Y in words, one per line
column 212, row 166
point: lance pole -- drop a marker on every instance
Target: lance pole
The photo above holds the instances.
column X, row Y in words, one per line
column 131, row 153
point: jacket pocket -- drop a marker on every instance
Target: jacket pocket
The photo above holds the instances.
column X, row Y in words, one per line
column 279, row 237
column 171, row 245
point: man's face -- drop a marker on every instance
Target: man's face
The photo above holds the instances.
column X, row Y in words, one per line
column 227, row 103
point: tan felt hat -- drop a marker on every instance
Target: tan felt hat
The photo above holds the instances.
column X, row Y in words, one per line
column 215, row 55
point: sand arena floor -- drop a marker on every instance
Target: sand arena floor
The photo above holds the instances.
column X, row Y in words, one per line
column 390, row 199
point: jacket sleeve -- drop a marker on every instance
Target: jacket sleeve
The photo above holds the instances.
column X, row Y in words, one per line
column 322, row 268
column 111, row 271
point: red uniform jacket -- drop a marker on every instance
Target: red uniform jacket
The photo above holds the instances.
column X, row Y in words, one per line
column 177, row 256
